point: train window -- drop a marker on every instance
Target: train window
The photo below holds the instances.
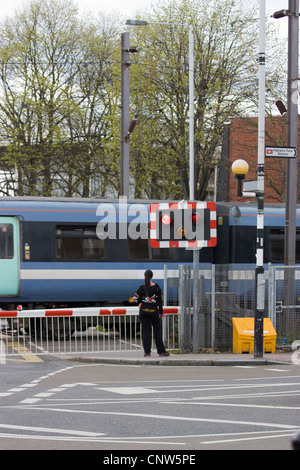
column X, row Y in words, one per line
column 140, row 249
column 79, row 243
column 163, row 253
column 6, row 241
column 276, row 245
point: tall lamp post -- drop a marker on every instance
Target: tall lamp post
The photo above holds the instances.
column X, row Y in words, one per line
column 125, row 123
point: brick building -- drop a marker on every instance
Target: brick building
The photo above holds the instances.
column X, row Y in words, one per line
column 240, row 141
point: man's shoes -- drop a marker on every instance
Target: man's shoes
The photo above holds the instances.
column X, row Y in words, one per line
column 147, row 355
column 165, row 354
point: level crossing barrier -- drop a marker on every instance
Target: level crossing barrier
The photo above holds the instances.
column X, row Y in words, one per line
column 78, row 330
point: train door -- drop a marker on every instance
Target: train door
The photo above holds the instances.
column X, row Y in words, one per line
column 9, row 256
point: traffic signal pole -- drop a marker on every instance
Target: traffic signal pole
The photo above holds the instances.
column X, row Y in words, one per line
column 292, row 142
column 196, row 252
column 292, row 163
column 292, row 134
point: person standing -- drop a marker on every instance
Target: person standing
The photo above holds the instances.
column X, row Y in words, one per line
column 148, row 296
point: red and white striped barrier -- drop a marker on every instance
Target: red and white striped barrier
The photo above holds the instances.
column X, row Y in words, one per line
column 80, row 312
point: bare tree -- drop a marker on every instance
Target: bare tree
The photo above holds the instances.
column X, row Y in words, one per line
column 225, row 82
column 54, row 68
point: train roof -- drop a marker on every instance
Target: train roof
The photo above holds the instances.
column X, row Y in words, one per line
column 67, row 209
column 91, row 210
column 246, row 213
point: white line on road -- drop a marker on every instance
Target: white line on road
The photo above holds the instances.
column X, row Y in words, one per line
column 51, row 430
column 247, row 439
column 103, row 440
column 167, row 417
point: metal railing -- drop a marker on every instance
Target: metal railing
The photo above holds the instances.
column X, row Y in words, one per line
column 284, row 302
column 80, row 330
column 225, row 292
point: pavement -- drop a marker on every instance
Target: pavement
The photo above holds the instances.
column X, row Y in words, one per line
column 136, row 357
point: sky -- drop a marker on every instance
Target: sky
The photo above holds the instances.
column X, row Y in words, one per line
column 129, row 7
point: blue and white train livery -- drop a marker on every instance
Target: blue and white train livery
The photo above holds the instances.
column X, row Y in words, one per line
column 52, row 252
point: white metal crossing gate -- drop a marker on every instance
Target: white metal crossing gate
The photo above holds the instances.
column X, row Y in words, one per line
column 78, row 330
column 284, row 301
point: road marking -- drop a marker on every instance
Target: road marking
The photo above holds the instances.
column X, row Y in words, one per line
column 51, row 430
column 30, row 401
column 244, row 367
column 28, row 385
column 128, row 390
column 2, row 353
column 250, row 395
column 169, row 417
column 247, row 439
column 43, row 395
column 27, row 355
column 266, row 378
column 103, row 440
column 242, row 405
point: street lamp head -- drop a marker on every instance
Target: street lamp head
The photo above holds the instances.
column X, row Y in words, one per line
column 280, row 14
column 281, row 107
column 136, row 23
column 240, row 168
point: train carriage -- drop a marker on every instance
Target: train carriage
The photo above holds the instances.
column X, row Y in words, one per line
column 56, row 252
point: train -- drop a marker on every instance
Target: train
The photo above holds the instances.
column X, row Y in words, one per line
column 52, row 253
column 68, row 252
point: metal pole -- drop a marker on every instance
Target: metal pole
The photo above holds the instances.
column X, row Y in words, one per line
column 125, row 65
column 213, row 305
column 292, row 135
column 191, row 112
column 196, row 331
column 165, row 302
column 192, row 190
column 292, row 163
column 259, row 270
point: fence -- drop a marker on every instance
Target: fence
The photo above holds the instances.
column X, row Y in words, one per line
column 225, row 292
column 81, row 330
column 284, row 301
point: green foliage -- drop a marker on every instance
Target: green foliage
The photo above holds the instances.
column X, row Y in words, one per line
column 223, row 75
column 60, row 96
column 55, row 99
